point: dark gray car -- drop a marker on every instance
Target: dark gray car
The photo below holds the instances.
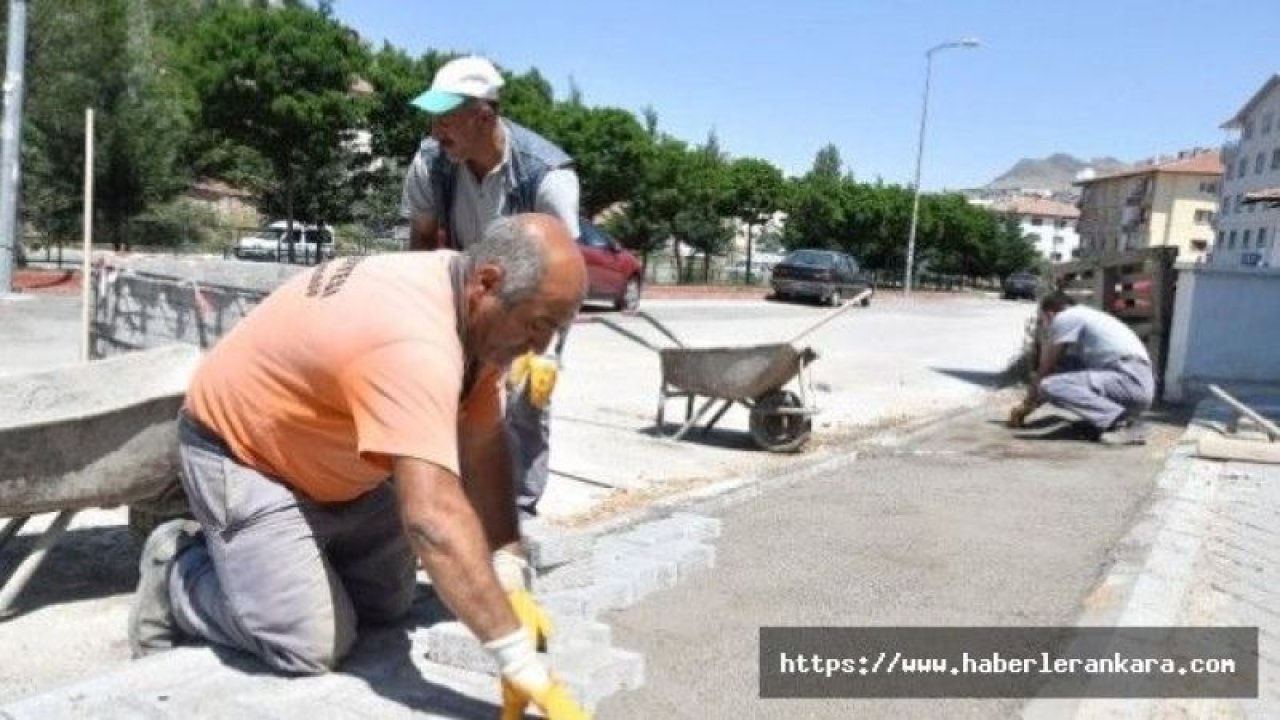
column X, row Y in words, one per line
column 827, row 276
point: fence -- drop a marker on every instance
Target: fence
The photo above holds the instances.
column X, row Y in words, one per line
column 1137, row 287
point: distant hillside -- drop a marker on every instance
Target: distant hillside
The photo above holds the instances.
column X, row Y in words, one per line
column 1055, row 172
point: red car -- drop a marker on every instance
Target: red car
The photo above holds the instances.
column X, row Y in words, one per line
column 614, row 274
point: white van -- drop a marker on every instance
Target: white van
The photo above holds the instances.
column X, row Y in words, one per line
column 270, row 243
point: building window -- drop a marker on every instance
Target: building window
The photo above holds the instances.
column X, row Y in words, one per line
column 1259, row 163
column 1057, row 239
column 1209, row 187
column 1242, row 167
column 1239, row 201
column 1037, row 221
column 1262, row 238
column 1247, row 132
column 1251, row 206
column 1204, row 216
column 1231, row 240
column 1244, row 239
column 1222, row 236
column 1266, row 123
column 1275, row 159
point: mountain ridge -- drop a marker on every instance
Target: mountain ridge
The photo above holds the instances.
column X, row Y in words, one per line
column 1054, row 172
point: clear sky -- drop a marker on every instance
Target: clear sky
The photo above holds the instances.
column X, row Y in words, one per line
column 779, row 79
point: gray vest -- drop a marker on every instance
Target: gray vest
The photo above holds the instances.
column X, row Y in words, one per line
column 532, row 157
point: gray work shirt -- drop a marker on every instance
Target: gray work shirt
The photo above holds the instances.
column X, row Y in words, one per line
column 476, row 203
column 1100, row 339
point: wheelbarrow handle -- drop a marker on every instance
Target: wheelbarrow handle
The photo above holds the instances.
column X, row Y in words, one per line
column 625, row 332
column 660, row 327
column 630, row 335
column 832, row 315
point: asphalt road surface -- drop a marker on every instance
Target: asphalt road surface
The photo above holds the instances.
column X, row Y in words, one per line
column 963, row 524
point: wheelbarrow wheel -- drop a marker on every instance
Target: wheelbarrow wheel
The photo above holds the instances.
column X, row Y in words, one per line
column 775, row 431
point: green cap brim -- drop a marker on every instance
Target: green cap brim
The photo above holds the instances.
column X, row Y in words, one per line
column 436, row 102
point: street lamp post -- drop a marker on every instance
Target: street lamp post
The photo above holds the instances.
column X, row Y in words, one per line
column 924, row 116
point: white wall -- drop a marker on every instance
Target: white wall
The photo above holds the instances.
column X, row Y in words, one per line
column 1226, row 330
column 1047, row 230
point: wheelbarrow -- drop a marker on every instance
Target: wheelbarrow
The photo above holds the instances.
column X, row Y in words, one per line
column 98, row 434
column 754, row 376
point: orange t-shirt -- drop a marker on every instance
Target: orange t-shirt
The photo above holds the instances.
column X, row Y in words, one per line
column 341, row 369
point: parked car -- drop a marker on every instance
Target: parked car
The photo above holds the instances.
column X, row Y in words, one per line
column 824, row 275
column 311, row 243
column 613, row 273
column 1021, row 284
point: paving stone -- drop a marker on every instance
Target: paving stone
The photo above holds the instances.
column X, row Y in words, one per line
column 451, row 643
column 568, row 576
column 549, row 547
column 593, row 676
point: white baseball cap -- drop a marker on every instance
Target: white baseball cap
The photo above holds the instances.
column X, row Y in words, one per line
column 457, row 80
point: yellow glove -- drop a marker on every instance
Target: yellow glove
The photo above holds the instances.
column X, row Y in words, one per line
column 537, row 375
column 553, row 700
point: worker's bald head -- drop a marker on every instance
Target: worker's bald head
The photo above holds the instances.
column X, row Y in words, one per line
column 532, row 267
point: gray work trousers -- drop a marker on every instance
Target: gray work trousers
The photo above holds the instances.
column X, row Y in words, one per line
column 529, row 442
column 280, row 576
column 1102, row 396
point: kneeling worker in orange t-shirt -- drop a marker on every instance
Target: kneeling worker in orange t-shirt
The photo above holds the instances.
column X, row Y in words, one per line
column 350, row 422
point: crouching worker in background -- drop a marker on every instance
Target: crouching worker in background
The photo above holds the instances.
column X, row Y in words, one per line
column 1093, row 365
column 350, row 422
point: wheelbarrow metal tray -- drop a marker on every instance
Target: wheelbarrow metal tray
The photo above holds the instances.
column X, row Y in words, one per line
column 93, row 435
column 730, row 373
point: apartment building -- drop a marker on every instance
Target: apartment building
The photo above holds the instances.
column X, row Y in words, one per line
column 1250, row 215
column 1165, row 201
column 1050, row 223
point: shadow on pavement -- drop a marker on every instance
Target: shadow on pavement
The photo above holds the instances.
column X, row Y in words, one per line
column 981, row 378
column 85, row 564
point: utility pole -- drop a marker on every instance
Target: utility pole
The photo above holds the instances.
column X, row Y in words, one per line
column 10, row 141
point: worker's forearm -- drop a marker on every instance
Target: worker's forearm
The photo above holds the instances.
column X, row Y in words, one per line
column 451, row 544
column 423, row 233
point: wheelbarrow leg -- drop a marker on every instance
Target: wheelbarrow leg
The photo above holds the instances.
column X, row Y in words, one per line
column 12, row 527
column 18, row 580
column 694, row 420
column 716, row 418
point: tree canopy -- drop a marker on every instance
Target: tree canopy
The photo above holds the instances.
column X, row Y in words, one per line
column 288, row 103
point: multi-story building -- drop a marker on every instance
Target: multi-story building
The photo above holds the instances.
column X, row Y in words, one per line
column 1161, row 202
column 1247, row 224
column 1052, row 224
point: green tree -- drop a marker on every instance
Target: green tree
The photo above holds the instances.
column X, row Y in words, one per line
column 112, row 56
column 754, row 192
column 827, row 163
column 277, row 81
column 607, row 145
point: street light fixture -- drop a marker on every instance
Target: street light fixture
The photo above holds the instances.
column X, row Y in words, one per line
column 924, row 116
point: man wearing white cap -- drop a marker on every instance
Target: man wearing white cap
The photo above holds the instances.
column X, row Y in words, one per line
column 510, row 169
column 473, row 168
